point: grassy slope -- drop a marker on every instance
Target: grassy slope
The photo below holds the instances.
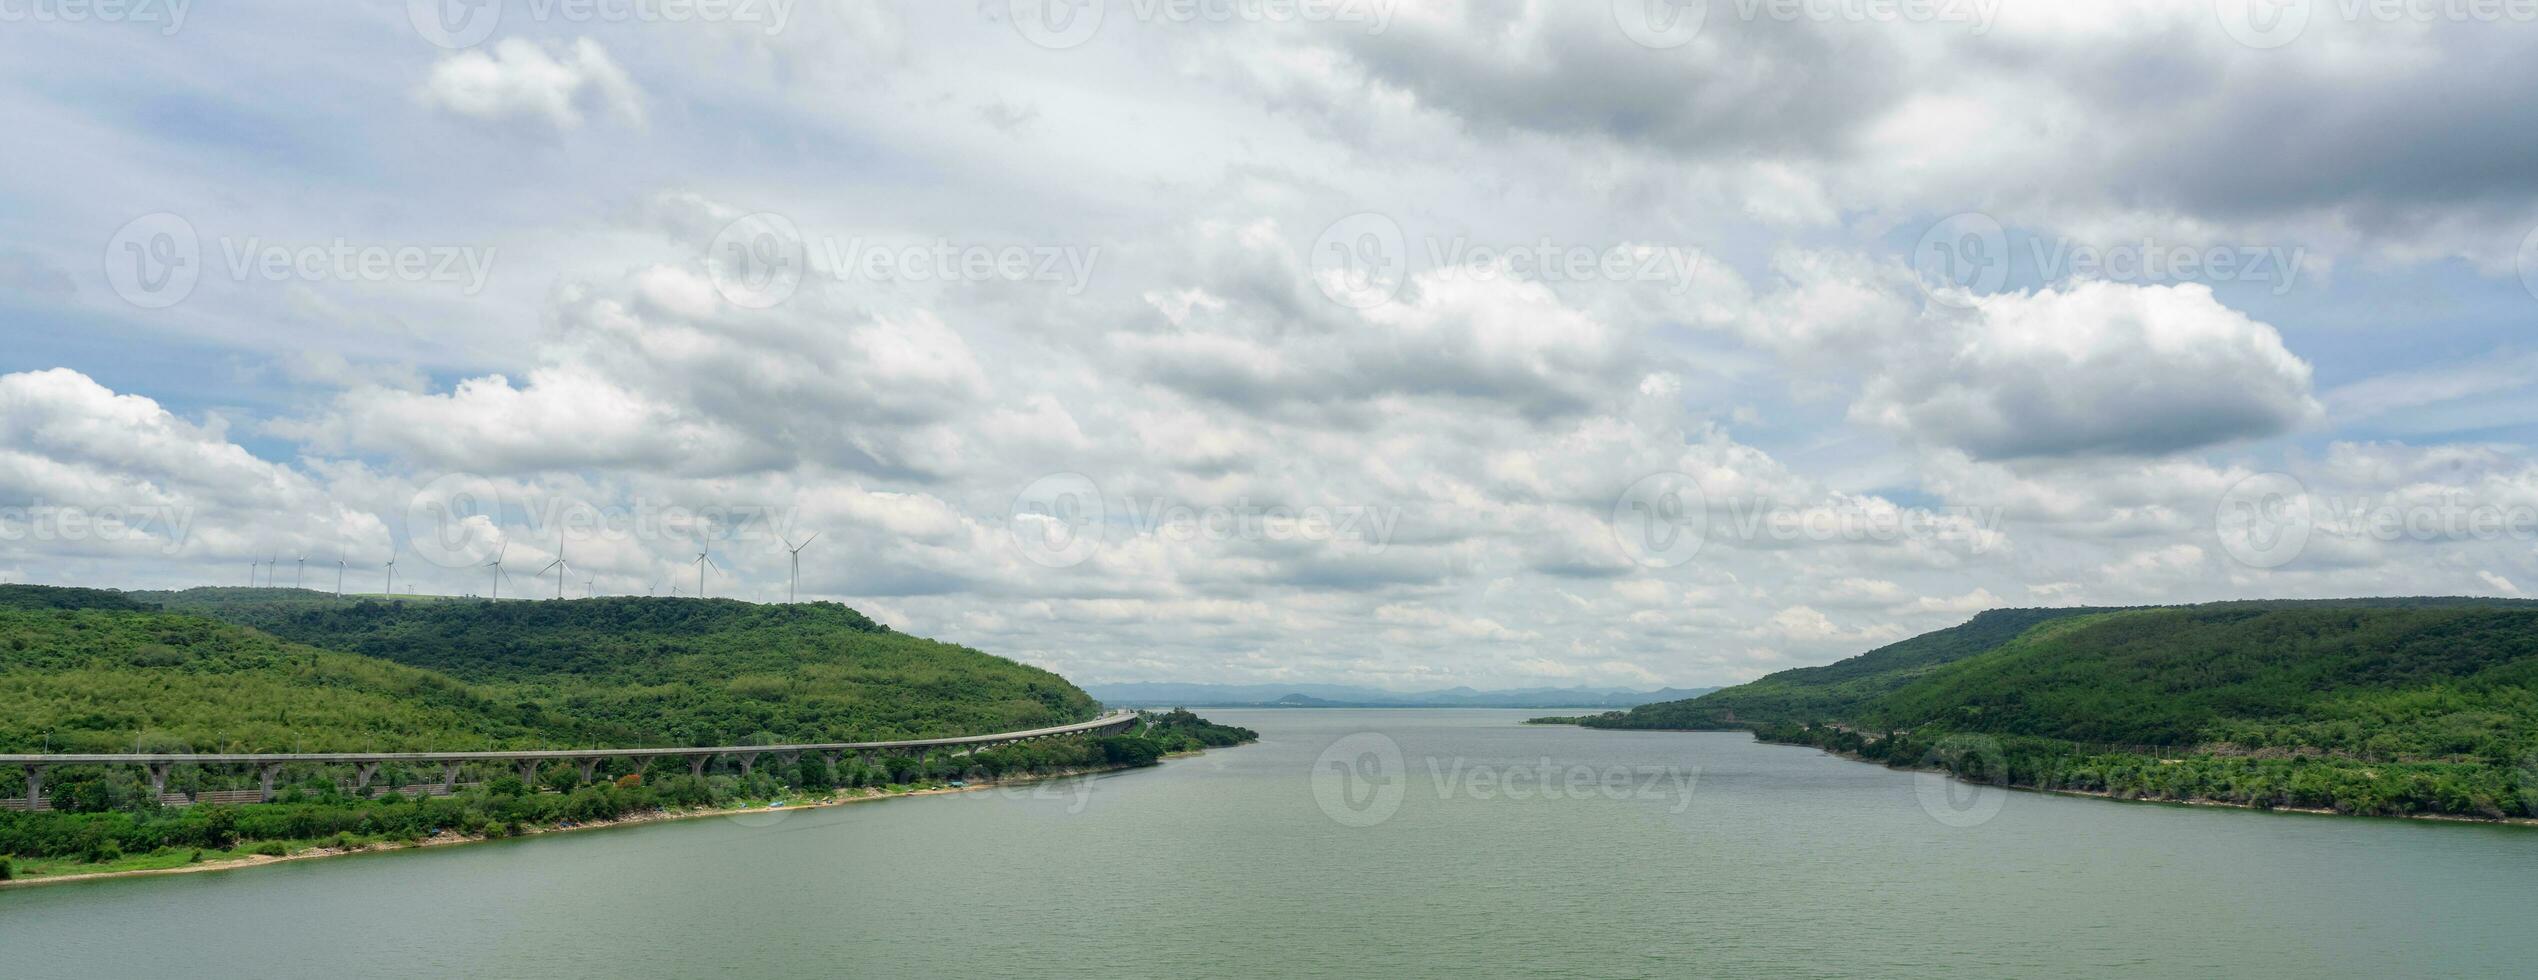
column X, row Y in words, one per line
column 678, row 671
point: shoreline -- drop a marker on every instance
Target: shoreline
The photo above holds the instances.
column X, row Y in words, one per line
column 2102, row 794
column 451, row 839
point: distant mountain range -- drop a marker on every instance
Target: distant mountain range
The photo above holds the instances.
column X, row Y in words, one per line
column 1167, row 694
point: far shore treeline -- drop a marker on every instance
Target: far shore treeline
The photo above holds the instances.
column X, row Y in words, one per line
column 2392, row 707
column 283, row 670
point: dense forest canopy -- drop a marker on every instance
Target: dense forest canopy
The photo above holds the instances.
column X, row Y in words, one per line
column 279, row 669
column 2372, row 705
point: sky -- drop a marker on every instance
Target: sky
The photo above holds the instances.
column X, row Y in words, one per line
column 1410, row 344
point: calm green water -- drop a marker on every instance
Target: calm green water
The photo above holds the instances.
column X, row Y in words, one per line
column 1780, row 862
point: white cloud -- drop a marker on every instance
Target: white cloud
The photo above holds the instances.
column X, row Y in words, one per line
column 2098, row 367
column 520, row 79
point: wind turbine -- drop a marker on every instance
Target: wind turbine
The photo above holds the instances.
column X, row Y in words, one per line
column 496, row 565
column 339, row 576
column 251, row 572
column 272, row 569
column 703, row 563
column 559, row 566
column 299, row 570
column 794, row 582
column 392, row 571
column 587, row 591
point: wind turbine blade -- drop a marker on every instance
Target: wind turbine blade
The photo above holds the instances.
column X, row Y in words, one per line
column 806, row 542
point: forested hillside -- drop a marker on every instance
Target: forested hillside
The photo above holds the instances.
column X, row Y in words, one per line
column 2374, row 706
column 677, row 671
column 116, row 680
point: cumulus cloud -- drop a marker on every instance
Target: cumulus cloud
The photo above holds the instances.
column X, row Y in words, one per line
column 2097, row 367
column 519, row 79
column 1874, row 462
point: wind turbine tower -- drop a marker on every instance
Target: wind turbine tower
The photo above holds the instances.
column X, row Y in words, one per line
column 794, row 582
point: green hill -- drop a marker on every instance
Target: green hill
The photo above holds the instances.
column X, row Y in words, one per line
column 2377, row 705
column 279, row 670
column 676, row 671
column 1837, row 690
column 121, row 680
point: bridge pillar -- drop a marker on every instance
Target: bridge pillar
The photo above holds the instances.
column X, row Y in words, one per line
column 748, row 762
column 363, row 772
column 830, row 758
column 158, row 779
column 529, row 774
column 265, row 773
column 34, row 785
column 588, row 767
column 790, row 759
column 449, row 778
column 696, row 765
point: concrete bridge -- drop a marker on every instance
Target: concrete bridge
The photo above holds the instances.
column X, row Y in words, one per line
column 365, row 765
